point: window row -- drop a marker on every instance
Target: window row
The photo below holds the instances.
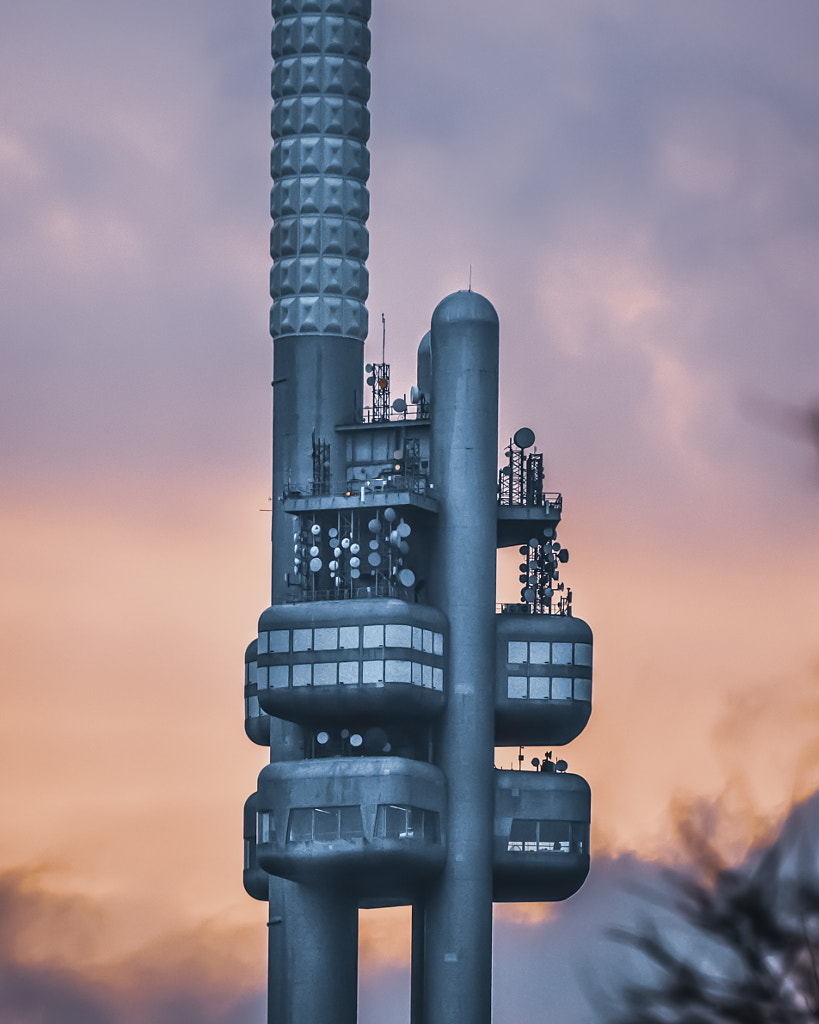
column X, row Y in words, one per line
column 528, row 835
column 543, row 652
column 326, row 824
column 252, row 709
column 548, row 688
column 394, row 821
column 351, row 673
column 350, row 638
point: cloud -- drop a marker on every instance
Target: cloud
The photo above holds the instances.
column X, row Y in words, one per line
column 53, row 966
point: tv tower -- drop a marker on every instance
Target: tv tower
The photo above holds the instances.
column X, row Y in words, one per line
column 384, row 674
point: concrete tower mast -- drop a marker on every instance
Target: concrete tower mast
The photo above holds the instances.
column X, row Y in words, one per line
column 383, row 674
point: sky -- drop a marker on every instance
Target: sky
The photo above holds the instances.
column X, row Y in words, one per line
column 634, row 187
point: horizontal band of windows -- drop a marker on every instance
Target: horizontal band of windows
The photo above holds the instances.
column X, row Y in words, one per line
column 346, row 638
column 396, row 821
column 548, row 688
column 527, row 835
column 392, row 821
column 351, row 673
column 542, row 652
column 324, row 824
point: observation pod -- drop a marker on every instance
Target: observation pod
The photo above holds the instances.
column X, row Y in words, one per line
column 254, row 878
column 257, row 723
column 371, row 824
column 371, row 660
column 541, row 835
column 543, row 679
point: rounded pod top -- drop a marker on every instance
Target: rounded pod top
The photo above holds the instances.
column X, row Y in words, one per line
column 464, row 306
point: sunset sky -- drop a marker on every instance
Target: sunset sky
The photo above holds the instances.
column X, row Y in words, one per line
column 635, row 186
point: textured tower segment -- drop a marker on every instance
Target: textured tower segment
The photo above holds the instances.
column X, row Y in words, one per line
column 320, row 166
column 319, row 242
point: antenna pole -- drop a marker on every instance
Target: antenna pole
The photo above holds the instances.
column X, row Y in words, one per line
column 383, row 338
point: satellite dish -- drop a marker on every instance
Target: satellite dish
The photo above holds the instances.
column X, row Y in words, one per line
column 355, row 562
column 563, row 555
column 356, row 740
column 406, row 577
column 315, row 564
column 561, row 766
column 549, row 531
column 383, row 383
column 314, row 551
column 374, row 525
column 389, row 514
column 536, row 761
column 371, row 381
column 555, row 546
column 523, row 550
column 373, row 545
column 528, row 595
column 315, row 529
column 547, row 593
column 416, row 394
column 403, row 547
column 355, row 573
column 374, row 559
column 333, row 566
column 404, row 529
column 375, row 740
column 369, row 367
column 523, row 567
column 345, row 542
column 524, row 438
column 322, row 737
column 533, row 542
column 399, row 405
column 523, row 578
column 354, row 549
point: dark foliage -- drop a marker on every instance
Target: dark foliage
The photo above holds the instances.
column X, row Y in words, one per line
column 745, row 950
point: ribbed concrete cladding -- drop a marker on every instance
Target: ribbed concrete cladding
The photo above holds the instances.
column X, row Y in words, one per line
column 336, row 34
column 320, row 163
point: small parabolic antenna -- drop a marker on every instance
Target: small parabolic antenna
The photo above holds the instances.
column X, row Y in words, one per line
column 315, row 564
column 389, row 514
column 406, row 577
column 524, row 438
column 374, row 559
column 399, row 405
column 416, row 394
column 374, row 525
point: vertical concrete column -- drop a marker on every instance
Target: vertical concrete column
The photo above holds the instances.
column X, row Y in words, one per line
column 319, row 243
column 318, row 321
column 458, row 933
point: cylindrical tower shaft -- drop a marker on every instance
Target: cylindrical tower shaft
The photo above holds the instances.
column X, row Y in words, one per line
column 319, row 242
column 458, row 939
column 318, row 321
